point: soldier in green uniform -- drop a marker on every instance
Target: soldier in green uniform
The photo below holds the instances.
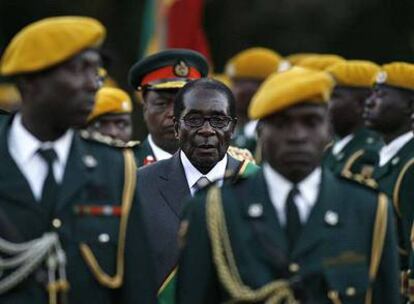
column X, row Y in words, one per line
column 158, row 78
column 247, row 70
column 355, row 148
column 77, row 234
column 388, row 111
column 111, row 114
column 293, row 232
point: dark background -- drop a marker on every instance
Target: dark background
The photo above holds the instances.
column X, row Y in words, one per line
column 378, row 30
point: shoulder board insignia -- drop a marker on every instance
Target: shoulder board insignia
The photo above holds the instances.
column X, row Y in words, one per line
column 240, row 154
column 360, row 179
column 107, row 140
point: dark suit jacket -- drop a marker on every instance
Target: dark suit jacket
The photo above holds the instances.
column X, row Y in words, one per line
column 329, row 255
column 163, row 189
column 83, row 185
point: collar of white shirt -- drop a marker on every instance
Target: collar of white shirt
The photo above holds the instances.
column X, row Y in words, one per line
column 279, row 188
column 193, row 175
column 340, row 144
column 159, row 153
column 387, row 152
column 23, row 147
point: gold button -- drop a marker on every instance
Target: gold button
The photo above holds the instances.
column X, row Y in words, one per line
column 294, row 267
column 350, row 291
column 57, row 223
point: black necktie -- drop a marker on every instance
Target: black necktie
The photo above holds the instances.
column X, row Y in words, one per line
column 293, row 224
column 50, row 186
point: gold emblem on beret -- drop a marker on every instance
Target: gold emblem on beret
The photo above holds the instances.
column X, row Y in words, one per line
column 181, row 69
column 381, row 77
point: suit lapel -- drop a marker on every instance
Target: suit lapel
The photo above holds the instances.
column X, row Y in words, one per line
column 314, row 231
column 75, row 175
column 267, row 223
column 13, row 184
column 173, row 187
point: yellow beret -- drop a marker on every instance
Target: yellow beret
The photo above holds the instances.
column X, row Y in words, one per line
column 253, row 63
column 110, row 101
column 222, row 78
column 295, row 58
column 282, row 90
column 354, row 73
column 397, row 74
column 50, row 41
column 9, row 96
column 319, row 61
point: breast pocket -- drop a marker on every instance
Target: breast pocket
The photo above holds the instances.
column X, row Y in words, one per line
column 100, row 235
column 347, row 283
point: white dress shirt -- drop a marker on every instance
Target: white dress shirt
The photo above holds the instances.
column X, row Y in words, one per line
column 340, row 144
column 387, row 152
column 159, row 153
column 279, row 188
column 23, row 148
column 193, row 175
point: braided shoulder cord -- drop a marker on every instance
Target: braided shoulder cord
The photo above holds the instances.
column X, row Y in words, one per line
column 276, row 292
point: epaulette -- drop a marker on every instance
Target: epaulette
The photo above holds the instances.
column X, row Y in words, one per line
column 240, row 154
column 360, row 179
column 107, row 140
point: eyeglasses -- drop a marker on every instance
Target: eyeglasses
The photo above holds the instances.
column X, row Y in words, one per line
column 196, row 121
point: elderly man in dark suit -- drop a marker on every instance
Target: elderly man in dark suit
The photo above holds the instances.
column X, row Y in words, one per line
column 204, row 122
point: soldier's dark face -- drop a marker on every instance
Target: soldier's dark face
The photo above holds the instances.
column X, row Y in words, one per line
column 243, row 90
column 294, row 139
column 65, row 95
column 206, row 144
column 345, row 109
column 118, row 126
column 387, row 109
column 158, row 116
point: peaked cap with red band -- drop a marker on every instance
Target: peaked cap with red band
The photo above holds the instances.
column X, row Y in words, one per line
column 169, row 69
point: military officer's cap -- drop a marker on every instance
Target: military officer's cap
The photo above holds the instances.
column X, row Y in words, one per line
column 9, row 96
column 256, row 63
column 396, row 74
column 354, row 73
column 319, row 61
column 169, row 69
column 297, row 57
column 110, row 101
column 285, row 89
column 48, row 42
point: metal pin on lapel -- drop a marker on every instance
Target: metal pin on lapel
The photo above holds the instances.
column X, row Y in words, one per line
column 331, row 218
column 90, row 161
column 255, row 210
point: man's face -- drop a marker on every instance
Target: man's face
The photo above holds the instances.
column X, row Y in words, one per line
column 345, row 109
column 243, row 90
column 206, row 144
column 158, row 115
column 66, row 93
column 387, row 109
column 294, row 139
column 118, row 126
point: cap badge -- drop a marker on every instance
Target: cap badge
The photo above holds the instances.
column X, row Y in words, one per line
column 381, row 77
column 181, row 69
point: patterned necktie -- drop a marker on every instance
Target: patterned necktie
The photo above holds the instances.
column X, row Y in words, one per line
column 293, row 224
column 201, row 183
column 50, row 186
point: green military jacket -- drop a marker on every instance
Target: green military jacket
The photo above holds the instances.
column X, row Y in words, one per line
column 87, row 213
column 396, row 179
column 359, row 156
column 332, row 261
column 144, row 154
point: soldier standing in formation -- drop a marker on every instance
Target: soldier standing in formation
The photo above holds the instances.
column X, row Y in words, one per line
column 78, row 235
